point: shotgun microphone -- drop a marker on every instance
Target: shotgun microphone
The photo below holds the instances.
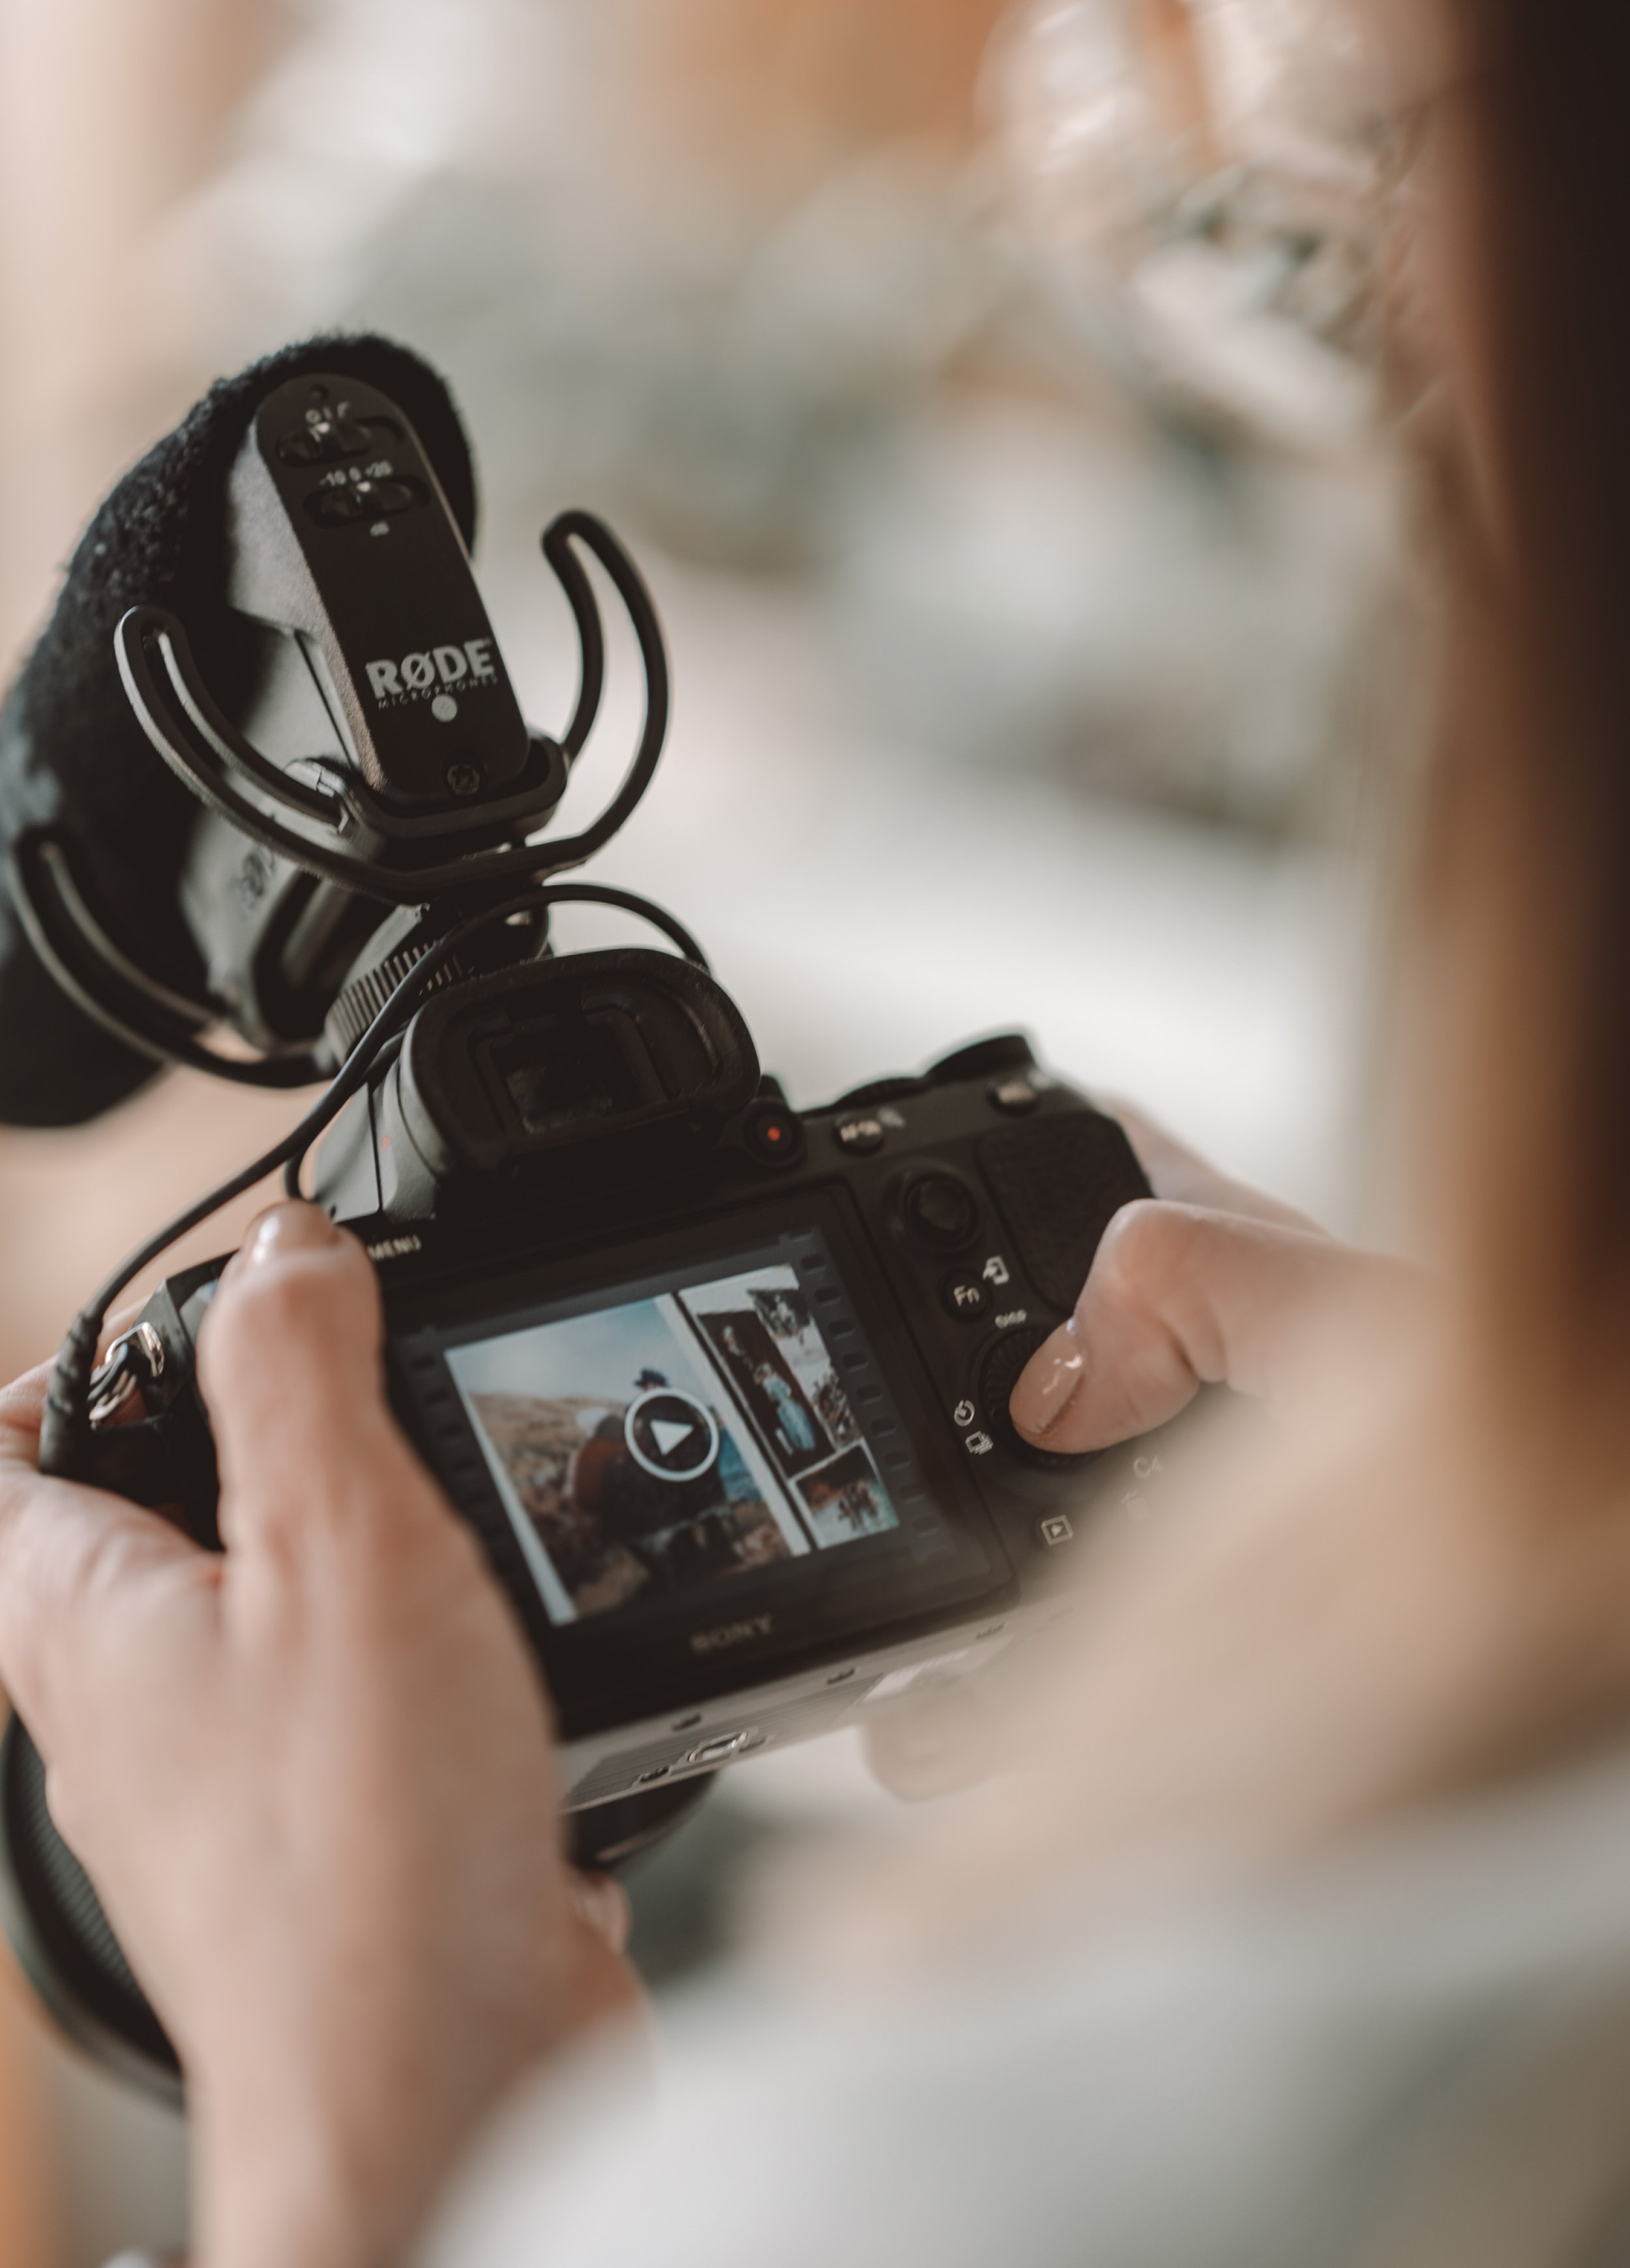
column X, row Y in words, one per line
column 76, row 766
column 266, row 752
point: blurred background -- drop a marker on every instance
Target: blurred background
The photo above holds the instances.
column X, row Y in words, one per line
column 989, row 393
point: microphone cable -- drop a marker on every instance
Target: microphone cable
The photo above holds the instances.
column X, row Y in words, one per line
column 65, row 1424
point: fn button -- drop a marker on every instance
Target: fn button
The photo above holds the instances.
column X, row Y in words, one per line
column 966, row 1297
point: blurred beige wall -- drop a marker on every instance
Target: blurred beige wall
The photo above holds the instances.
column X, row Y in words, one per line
column 26, row 2231
column 109, row 111
column 773, row 92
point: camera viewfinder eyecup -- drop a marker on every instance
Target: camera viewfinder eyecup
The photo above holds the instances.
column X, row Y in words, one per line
column 596, row 1053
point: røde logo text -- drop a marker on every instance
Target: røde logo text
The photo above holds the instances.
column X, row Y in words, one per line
column 437, row 665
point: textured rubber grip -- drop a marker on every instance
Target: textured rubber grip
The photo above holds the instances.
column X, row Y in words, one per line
column 1059, row 1182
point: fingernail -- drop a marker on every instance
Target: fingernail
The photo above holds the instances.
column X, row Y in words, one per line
column 288, row 1228
column 1047, row 1381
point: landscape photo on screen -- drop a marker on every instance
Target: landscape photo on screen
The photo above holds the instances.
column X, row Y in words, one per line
column 669, row 1442
column 770, row 1349
column 617, row 1455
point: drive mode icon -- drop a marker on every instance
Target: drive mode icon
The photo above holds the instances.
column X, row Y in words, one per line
column 671, row 1434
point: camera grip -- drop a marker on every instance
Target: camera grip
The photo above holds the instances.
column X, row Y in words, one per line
column 1058, row 1182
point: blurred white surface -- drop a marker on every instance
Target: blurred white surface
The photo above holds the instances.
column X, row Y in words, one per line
column 871, row 906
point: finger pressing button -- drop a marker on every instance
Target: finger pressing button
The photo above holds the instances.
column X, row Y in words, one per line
column 998, row 1377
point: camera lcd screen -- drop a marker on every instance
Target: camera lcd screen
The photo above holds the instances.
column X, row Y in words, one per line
column 685, row 1438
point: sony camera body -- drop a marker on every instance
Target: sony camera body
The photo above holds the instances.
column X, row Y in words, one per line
column 722, row 1387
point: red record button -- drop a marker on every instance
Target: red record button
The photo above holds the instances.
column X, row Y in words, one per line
column 776, row 1135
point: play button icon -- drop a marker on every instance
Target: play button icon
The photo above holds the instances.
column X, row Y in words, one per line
column 670, row 1435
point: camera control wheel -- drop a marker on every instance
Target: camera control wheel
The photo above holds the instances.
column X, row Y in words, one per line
column 998, row 1376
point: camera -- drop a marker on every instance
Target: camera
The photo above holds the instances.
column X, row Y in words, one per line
column 721, row 1386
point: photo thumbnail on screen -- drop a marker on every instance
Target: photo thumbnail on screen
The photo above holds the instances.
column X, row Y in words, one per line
column 671, row 1441
column 769, row 1346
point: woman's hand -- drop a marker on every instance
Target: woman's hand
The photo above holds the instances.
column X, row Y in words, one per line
column 1208, row 1282
column 312, row 1780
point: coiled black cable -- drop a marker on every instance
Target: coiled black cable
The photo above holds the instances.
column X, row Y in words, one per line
column 66, row 1422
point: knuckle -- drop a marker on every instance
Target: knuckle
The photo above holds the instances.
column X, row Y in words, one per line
column 292, row 1299
column 295, row 1337
column 1134, row 1259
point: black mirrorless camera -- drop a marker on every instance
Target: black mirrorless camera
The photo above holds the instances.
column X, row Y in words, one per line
column 721, row 1386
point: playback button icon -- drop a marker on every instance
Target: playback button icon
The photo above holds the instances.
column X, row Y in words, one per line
column 670, row 1435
